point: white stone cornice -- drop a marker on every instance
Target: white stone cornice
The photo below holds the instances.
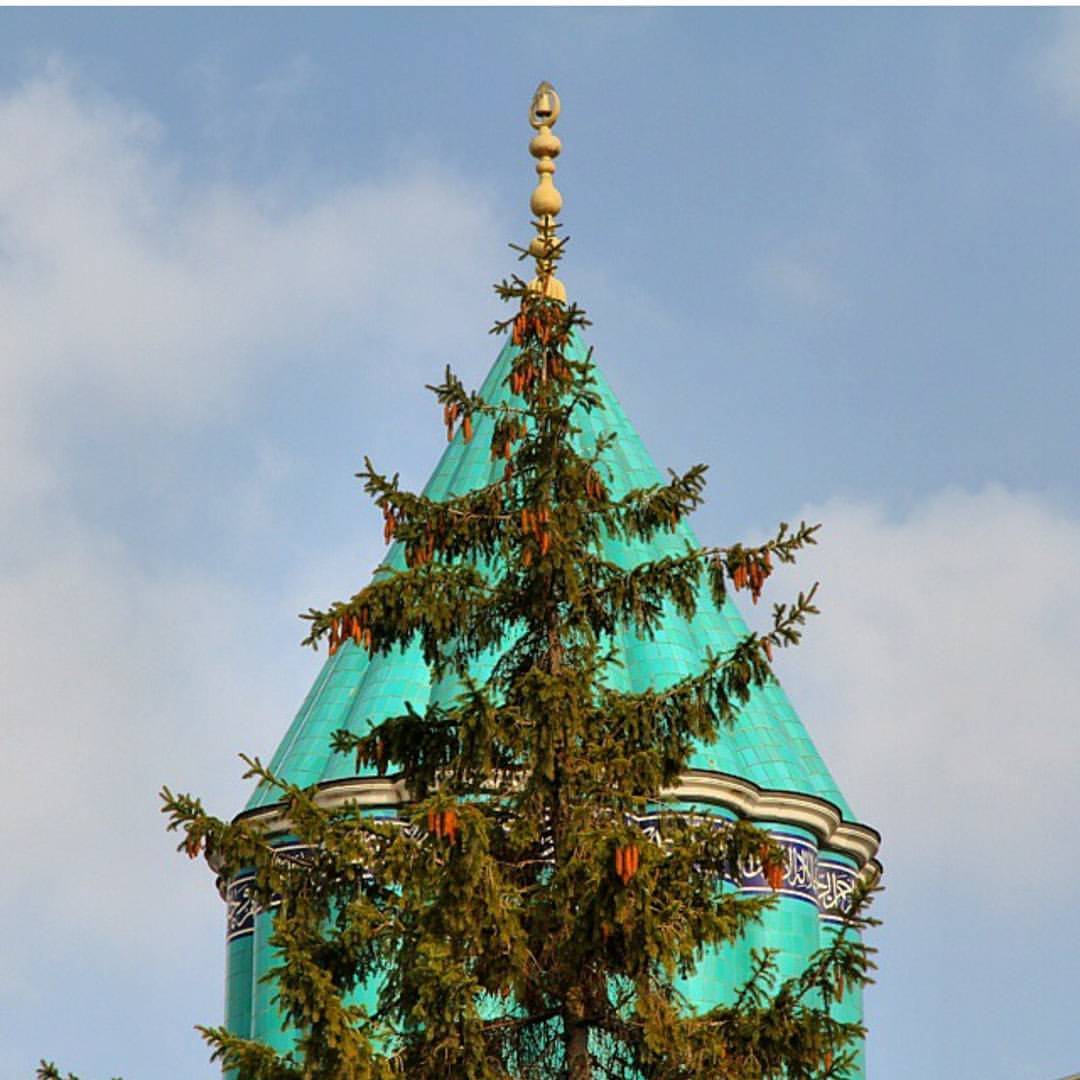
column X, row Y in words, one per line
column 373, row 791
column 820, row 816
column 746, row 799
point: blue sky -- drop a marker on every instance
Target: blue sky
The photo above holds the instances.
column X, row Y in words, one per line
column 831, row 253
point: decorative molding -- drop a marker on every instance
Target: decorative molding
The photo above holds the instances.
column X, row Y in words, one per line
column 810, row 875
column 824, row 883
column 239, row 907
column 834, row 883
column 821, row 817
column 744, row 798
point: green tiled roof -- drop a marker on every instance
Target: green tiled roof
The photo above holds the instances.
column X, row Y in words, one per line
column 768, row 746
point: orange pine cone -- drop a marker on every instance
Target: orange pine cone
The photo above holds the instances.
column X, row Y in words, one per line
column 466, row 428
column 506, row 450
column 545, row 543
column 620, row 864
column 526, row 556
column 767, row 645
column 756, row 580
column 434, row 823
column 450, row 825
column 633, row 859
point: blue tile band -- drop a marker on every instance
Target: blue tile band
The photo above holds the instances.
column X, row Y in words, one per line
column 814, row 879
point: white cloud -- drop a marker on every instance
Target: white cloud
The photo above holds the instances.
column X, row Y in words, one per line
column 1056, row 66
column 941, row 681
column 125, row 289
column 134, row 300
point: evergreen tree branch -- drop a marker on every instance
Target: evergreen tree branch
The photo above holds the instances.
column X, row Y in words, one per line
column 513, row 921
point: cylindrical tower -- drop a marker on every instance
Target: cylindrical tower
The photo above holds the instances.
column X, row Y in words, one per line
column 765, row 770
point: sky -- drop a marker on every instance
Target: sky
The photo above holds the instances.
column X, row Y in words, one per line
column 831, row 253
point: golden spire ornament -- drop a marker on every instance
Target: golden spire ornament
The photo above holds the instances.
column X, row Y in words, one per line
column 546, row 202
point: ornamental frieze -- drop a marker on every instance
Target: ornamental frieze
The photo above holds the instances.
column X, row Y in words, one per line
column 808, row 876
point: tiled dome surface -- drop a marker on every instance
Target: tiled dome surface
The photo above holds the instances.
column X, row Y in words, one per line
column 768, row 745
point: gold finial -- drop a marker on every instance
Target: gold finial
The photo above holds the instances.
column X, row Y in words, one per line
column 546, row 202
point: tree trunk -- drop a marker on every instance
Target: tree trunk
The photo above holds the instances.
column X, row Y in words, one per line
column 576, row 1038
column 575, row 1030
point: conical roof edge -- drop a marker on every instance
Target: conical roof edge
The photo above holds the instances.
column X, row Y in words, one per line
column 768, row 746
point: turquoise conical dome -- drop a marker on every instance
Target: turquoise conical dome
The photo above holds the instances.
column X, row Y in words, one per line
column 765, row 769
column 769, row 747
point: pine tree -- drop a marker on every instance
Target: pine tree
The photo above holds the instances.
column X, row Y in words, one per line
column 47, row 1070
column 515, row 920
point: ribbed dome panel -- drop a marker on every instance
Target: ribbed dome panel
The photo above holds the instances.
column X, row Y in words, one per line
column 768, row 746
